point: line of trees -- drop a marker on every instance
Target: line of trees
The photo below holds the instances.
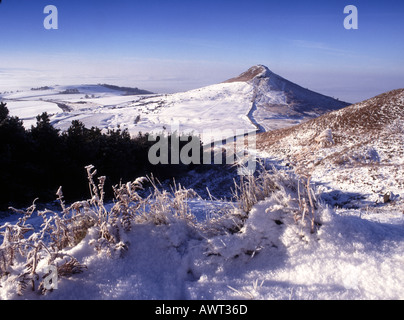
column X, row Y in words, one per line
column 34, row 163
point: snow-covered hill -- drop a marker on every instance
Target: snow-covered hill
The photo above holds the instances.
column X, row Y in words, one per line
column 279, row 103
column 358, row 150
column 256, row 100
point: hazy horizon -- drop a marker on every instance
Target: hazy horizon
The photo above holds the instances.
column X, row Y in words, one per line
column 176, row 46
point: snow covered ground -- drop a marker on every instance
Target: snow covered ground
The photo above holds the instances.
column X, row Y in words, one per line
column 350, row 257
column 213, row 112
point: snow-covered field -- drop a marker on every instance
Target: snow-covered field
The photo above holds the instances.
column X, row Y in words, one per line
column 213, row 112
column 28, row 110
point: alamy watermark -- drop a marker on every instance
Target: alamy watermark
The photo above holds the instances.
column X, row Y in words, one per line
column 231, row 147
column 50, row 280
column 51, row 20
column 351, row 21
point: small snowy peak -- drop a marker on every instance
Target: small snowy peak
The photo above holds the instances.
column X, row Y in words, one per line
column 280, row 103
column 258, row 71
column 269, row 86
column 257, row 99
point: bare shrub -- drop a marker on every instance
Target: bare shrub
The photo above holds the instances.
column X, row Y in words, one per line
column 58, row 231
column 67, row 228
column 17, row 244
column 164, row 207
column 285, row 187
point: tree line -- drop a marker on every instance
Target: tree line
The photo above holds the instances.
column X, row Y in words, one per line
column 35, row 162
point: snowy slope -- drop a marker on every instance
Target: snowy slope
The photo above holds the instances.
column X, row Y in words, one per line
column 215, row 112
column 28, row 110
column 256, row 100
column 357, row 152
column 280, row 103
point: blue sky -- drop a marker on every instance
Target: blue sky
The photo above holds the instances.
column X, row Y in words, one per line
column 178, row 45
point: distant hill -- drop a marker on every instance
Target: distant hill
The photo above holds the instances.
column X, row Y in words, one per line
column 127, row 90
column 279, row 103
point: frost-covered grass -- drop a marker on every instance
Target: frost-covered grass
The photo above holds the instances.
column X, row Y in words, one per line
column 155, row 247
column 27, row 252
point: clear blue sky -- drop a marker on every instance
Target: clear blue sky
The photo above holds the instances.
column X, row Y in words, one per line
column 177, row 45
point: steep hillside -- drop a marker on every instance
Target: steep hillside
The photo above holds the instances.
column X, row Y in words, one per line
column 279, row 103
column 359, row 149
